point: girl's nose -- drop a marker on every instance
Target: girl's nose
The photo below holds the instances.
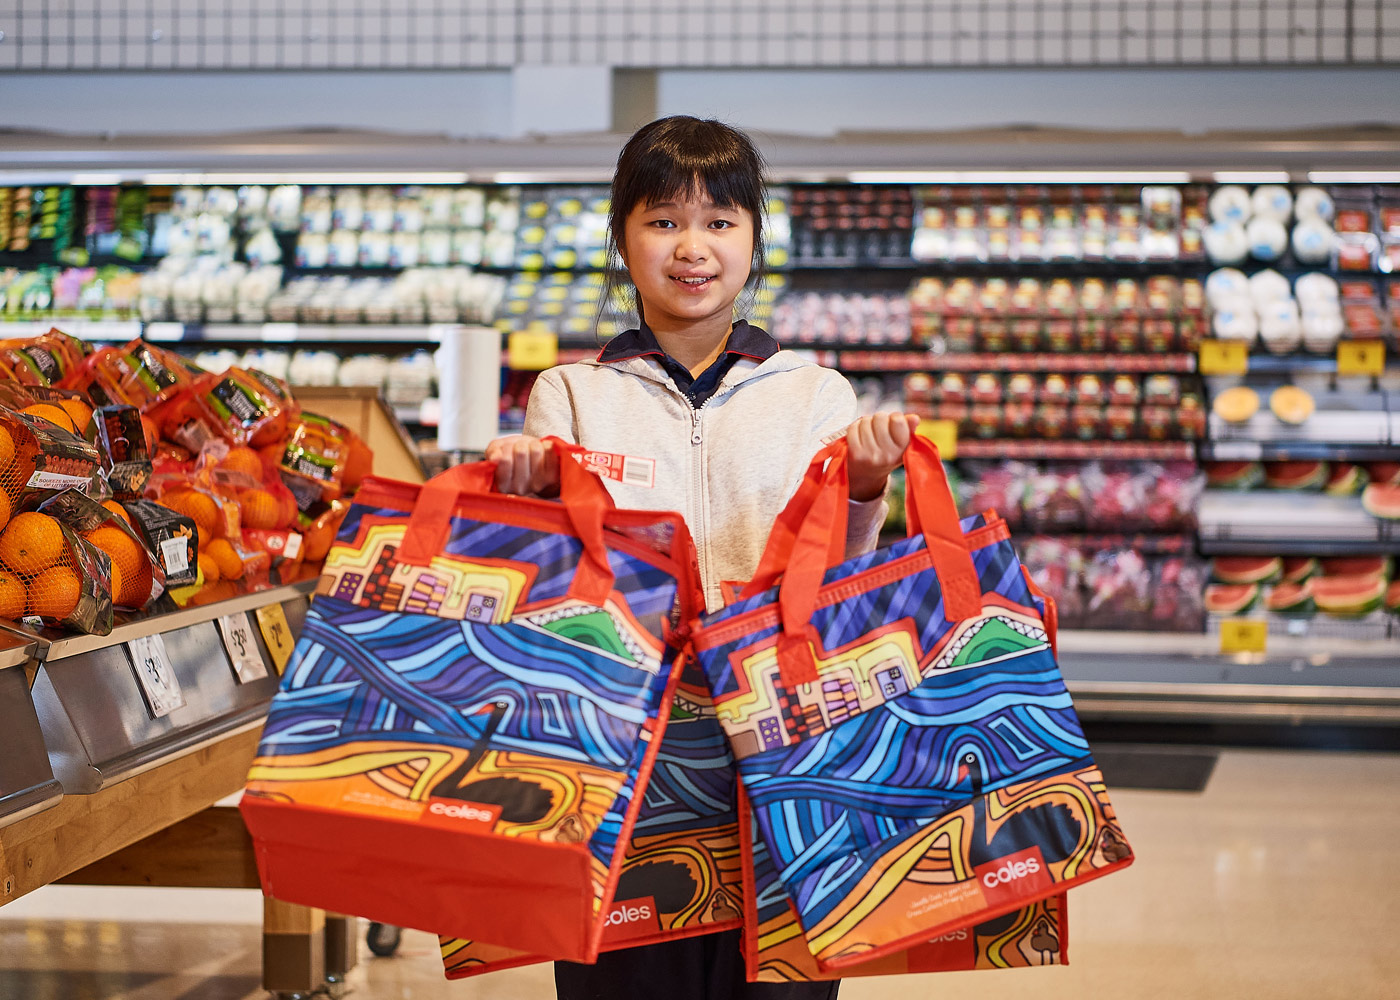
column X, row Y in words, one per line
column 690, row 248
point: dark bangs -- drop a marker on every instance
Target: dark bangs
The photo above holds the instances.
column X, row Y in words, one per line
column 673, row 159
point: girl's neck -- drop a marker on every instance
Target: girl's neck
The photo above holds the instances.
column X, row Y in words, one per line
column 696, row 345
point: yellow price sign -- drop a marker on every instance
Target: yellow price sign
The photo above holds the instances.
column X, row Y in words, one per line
column 277, row 634
column 1360, row 357
column 1243, row 635
column 944, row 435
column 1224, row 357
column 532, row 350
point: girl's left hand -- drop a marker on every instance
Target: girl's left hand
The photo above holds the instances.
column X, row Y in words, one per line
column 875, row 445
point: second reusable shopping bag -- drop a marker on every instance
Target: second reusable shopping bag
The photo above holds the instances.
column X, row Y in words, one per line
column 474, row 703
column 903, row 735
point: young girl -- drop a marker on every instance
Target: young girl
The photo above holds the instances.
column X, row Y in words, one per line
column 708, row 417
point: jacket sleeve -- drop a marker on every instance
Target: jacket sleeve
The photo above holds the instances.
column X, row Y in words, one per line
column 550, row 411
column 837, row 410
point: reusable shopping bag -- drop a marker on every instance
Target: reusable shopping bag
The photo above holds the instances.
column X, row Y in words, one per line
column 902, row 732
column 476, row 698
column 680, row 870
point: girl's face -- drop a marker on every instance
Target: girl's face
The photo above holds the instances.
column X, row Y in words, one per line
column 689, row 260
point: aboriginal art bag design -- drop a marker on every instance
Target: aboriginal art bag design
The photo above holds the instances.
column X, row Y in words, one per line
column 681, row 868
column 477, row 696
column 903, row 735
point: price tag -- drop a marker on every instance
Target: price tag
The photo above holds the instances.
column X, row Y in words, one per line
column 532, row 350
column 277, row 634
column 944, row 435
column 1224, row 357
column 1243, row 635
column 1360, row 357
column 155, row 675
column 242, row 647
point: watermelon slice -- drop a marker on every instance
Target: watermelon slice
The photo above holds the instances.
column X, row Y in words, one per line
column 1384, row 472
column 1295, row 475
column 1392, row 598
column 1382, row 500
column 1356, row 566
column 1346, row 480
column 1246, row 569
column 1348, row 596
column 1231, row 599
column 1234, row 475
column 1296, row 569
column 1291, row 599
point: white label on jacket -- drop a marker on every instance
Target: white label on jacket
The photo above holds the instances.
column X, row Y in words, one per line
column 627, row 469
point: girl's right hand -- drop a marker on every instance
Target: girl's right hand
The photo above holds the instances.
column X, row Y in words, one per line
column 524, row 465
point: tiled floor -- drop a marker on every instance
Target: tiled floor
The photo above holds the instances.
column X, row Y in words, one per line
column 1281, row 880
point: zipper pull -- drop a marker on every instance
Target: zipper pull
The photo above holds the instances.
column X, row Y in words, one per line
column 695, row 433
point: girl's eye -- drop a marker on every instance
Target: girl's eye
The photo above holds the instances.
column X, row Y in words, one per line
column 663, row 223
column 722, row 224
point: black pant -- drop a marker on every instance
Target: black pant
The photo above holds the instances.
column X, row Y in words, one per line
column 699, row 968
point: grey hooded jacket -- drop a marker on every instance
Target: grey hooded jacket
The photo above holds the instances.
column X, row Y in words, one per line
column 728, row 467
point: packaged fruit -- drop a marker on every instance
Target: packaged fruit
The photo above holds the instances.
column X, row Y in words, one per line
column 43, row 360
column 243, row 407
column 315, row 459
column 138, row 374
column 66, row 581
column 123, row 450
column 37, row 452
column 172, row 537
column 137, row 576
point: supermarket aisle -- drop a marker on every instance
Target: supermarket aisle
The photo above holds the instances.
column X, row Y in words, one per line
column 1278, row 881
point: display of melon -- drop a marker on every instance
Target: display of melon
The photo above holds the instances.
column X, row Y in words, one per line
column 1348, row 596
column 1382, row 500
column 1392, row 598
column 1381, row 566
column 1231, row 598
column 1234, row 475
column 1295, row 475
column 1384, row 472
column 1236, row 405
column 1293, row 599
column 1246, row 569
column 1291, row 405
column 1345, row 480
column 1296, row 569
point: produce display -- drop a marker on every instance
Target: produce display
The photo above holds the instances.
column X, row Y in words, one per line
column 837, row 318
column 1118, row 588
column 130, row 473
column 1351, row 588
column 1378, row 481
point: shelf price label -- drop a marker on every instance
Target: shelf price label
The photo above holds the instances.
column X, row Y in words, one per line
column 242, row 647
column 156, row 676
column 944, row 435
column 1243, row 635
column 532, row 350
column 1224, row 357
column 277, row 634
column 1360, row 357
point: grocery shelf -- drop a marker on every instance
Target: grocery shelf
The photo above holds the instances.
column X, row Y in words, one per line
column 100, row 721
column 1008, row 362
column 1154, row 676
column 1154, row 451
column 1296, row 451
column 1145, row 544
column 27, row 782
column 1288, row 364
column 97, row 330
column 1339, row 419
column 299, row 333
column 1279, row 522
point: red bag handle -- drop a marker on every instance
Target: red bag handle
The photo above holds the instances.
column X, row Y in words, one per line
column 932, row 513
column 585, row 500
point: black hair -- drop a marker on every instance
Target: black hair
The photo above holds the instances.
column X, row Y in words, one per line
column 671, row 159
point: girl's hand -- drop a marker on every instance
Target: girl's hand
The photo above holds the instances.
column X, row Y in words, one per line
column 875, row 446
column 524, row 465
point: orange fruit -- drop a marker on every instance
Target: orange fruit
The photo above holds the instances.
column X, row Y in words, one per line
column 78, row 412
column 12, row 596
column 199, row 507
column 228, row 560
column 7, row 447
column 116, row 578
column 136, row 589
column 244, row 460
column 31, row 543
column 209, row 568
column 4, row 508
column 55, row 592
column 289, row 509
column 53, row 414
column 122, row 549
column 260, row 509
column 117, row 509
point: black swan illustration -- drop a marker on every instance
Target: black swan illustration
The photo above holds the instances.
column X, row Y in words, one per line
column 520, row 801
column 1051, row 825
column 670, row 884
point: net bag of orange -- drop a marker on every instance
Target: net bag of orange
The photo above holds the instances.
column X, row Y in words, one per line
column 171, row 537
column 137, row 576
column 49, row 575
column 43, row 360
column 323, row 460
column 37, row 453
column 139, row 374
column 238, row 472
column 243, row 407
column 123, row 449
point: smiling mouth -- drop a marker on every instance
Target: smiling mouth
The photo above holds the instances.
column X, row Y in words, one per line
column 695, row 282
